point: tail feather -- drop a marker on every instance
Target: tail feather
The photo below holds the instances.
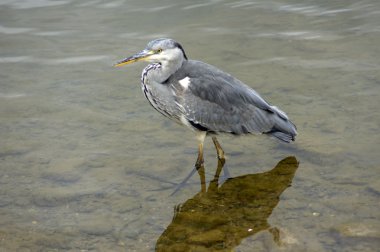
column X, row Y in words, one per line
column 285, row 131
column 283, row 136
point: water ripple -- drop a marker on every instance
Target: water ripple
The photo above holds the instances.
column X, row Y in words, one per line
column 15, row 59
column 113, row 4
column 193, row 6
column 342, row 64
column 14, row 30
column 151, row 9
column 33, row 31
column 52, row 33
column 11, row 96
column 241, row 4
column 300, row 35
column 68, row 60
column 24, row 4
column 77, row 60
column 304, row 9
column 311, row 10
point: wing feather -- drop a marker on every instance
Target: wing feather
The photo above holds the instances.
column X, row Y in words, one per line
column 221, row 103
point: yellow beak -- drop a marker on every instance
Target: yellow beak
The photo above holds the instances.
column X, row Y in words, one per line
column 137, row 57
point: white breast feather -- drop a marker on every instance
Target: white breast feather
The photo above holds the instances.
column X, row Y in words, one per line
column 185, row 82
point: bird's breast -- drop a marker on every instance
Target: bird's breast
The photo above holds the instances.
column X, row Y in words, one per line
column 147, row 70
column 159, row 95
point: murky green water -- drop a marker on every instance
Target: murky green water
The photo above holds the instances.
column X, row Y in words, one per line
column 87, row 164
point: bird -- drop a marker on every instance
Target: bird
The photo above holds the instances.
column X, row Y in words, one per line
column 204, row 98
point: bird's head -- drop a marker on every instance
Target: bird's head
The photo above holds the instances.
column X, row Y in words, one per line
column 158, row 51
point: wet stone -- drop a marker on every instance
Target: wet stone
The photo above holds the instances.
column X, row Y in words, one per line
column 54, row 242
column 84, row 207
column 358, row 230
column 132, row 234
column 13, row 153
column 131, row 230
column 23, row 249
column 96, row 228
column 53, row 198
column 127, row 205
column 64, row 172
column 62, row 178
column 21, row 202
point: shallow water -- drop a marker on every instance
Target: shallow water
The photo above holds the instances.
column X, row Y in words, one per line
column 87, row 164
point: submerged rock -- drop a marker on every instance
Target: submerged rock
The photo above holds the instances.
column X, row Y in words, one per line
column 358, row 230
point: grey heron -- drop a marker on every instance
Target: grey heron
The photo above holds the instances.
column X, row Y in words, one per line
column 204, row 98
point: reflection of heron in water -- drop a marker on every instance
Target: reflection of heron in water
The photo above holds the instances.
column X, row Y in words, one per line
column 221, row 217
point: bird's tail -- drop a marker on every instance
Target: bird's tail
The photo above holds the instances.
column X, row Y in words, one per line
column 286, row 135
column 283, row 128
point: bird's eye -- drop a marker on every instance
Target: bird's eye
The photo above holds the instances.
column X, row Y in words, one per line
column 159, row 50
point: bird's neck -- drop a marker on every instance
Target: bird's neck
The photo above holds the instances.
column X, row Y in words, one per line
column 166, row 69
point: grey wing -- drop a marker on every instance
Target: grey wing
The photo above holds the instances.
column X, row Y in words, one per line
column 216, row 101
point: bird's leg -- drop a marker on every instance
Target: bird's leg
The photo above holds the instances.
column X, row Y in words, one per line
column 219, row 150
column 200, row 160
column 221, row 161
column 214, row 183
column 199, row 164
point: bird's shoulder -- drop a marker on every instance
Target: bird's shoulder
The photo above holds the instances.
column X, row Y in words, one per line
column 202, row 72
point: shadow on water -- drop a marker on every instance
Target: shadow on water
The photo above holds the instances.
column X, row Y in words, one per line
column 220, row 217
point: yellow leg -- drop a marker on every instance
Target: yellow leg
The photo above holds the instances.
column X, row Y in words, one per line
column 214, row 183
column 200, row 160
column 221, row 161
column 219, row 150
column 199, row 164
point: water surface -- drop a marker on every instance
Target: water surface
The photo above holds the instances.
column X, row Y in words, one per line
column 87, row 164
